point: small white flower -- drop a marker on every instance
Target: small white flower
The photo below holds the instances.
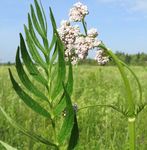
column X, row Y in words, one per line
column 78, row 12
column 101, row 57
column 92, row 32
column 74, row 60
column 65, row 23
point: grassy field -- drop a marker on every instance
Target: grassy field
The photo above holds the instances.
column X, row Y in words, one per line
column 100, row 128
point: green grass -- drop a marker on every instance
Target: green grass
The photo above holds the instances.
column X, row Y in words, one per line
column 100, row 128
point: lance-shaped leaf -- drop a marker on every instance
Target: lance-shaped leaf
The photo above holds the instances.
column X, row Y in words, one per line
column 61, row 71
column 7, row 146
column 52, row 19
column 43, row 13
column 69, row 86
column 25, row 79
column 40, row 17
column 30, row 134
column 54, row 55
column 33, row 50
column 33, row 35
column 136, row 78
column 27, row 99
column 31, row 67
column 68, row 121
column 129, row 98
column 53, row 42
column 74, row 135
column 35, row 23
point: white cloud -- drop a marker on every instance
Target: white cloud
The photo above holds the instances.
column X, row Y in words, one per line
column 140, row 5
column 130, row 5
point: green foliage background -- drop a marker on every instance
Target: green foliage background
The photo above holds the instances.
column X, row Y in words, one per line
column 100, row 128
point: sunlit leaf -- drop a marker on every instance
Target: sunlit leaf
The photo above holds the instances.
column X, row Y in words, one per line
column 35, row 23
column 33, row 50
column 69, row 86
column 25, row 79
column 7, row 146
column 33, row 35
column 52, row 19
column 27, row 99
column 40, row 17
column 31, row 67
column 61, row 71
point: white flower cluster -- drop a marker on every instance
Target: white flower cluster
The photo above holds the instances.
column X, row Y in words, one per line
column 76, row 44
column 68, row 35
column 78, row 12
column 84, row 44
column 101, row 57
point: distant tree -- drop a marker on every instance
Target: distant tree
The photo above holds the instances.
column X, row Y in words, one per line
column 9, row 63
column 127, row 59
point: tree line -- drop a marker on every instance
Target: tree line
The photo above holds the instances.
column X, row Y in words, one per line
column 138, row 59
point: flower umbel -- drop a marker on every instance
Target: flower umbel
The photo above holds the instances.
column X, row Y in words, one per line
column 77, row 44
column 68, row 36
column 78, row 12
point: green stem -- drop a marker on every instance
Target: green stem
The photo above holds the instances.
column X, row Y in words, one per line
column 132, row 140
column 48, row 73
column 136, row 78
column 84, row 25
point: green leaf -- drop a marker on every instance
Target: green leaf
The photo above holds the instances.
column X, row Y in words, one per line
column 68, row 121
column 27, row 99
column 61, row 71
column 26, row 132
column 33, row 50
column 60, row 106
column 129, row 98
column 8, row 147
column 40, row 17
column 136, row 78
column 53, row 42
column 25, row 80
column 140, row 108
column 119, row 109
column 43, row 24
column 74, row 135
column 35, row 23
column 31, row 67
column 43, row 15
column 69, row 86
column 55, row 54
column 126, row 83
column 52, row 19
column 33, row 35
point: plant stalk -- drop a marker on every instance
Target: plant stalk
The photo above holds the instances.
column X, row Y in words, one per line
column 84, row 25
column 131, row 128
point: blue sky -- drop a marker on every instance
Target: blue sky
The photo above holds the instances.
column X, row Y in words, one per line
column 122, row 24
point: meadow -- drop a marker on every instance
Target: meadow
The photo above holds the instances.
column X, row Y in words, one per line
column 100, row 128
